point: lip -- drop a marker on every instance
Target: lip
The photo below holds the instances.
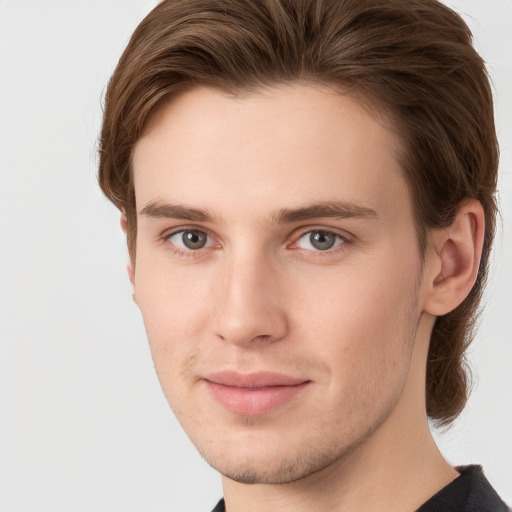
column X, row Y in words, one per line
column 255, row 393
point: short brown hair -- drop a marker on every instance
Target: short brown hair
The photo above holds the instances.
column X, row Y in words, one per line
column 414, row 57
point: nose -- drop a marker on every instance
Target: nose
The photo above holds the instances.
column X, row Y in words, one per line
column 250, row 304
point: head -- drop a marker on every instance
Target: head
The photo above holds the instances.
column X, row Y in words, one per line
column 408, row 65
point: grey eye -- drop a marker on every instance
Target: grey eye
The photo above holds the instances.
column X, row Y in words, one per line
column 194, row 239
column 190, row 239
column 320, row 240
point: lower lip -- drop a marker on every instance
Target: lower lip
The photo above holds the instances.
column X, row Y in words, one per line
column 253, row 401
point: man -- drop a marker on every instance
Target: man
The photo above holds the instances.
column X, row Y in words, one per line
column 307, row 189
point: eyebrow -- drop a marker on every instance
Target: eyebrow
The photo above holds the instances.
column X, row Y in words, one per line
column 329, row 209
column 175, row 211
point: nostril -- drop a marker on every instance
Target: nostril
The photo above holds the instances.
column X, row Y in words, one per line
column 261, row 337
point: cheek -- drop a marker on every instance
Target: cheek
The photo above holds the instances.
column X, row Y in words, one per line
column 174, row 310
column 364, row 319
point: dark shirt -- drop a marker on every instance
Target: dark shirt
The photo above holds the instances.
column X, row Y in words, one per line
column 470, row 492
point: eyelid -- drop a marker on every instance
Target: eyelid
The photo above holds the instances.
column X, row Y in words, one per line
column 187, row 227
column 296, row 236
column 344, row 235
column 168, row 233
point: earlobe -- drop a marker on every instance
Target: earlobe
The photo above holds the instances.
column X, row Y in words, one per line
column 123, row 222
column 131, row 276
column 454, row 266
column 130, row 270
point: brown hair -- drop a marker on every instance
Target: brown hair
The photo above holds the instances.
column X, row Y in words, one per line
column 415, row 57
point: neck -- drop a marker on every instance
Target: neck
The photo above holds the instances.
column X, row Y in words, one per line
column 397, row 468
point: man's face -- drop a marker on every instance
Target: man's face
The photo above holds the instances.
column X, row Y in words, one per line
column 278, row 275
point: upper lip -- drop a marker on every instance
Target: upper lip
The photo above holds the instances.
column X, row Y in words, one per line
column 254, row 380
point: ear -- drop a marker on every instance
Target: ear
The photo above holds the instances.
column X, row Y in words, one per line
column 129, row 268
column 454, row 259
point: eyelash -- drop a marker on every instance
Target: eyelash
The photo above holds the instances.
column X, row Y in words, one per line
column 191, row 253
column 183, row 253
column 345, row 239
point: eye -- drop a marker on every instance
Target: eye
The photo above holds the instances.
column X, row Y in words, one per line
column 320, row 240
column 189, row 239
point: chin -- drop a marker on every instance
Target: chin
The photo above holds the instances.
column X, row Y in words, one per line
column 271, row 461
column 271, row 471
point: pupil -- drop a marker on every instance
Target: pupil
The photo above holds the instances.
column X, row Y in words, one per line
column 194, row 239
column 322, row 240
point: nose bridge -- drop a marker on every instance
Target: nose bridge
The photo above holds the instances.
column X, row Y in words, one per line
column 248, row 306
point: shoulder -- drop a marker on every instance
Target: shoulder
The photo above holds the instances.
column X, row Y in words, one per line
column 220, row 507
column 470, row 492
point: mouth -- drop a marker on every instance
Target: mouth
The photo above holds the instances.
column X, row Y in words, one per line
column 254, row 394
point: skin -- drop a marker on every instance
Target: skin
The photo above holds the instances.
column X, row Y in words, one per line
column 352, row 321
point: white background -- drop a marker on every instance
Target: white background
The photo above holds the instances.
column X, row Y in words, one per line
column 83, row 423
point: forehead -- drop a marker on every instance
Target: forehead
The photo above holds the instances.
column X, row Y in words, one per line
column 286, row 146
